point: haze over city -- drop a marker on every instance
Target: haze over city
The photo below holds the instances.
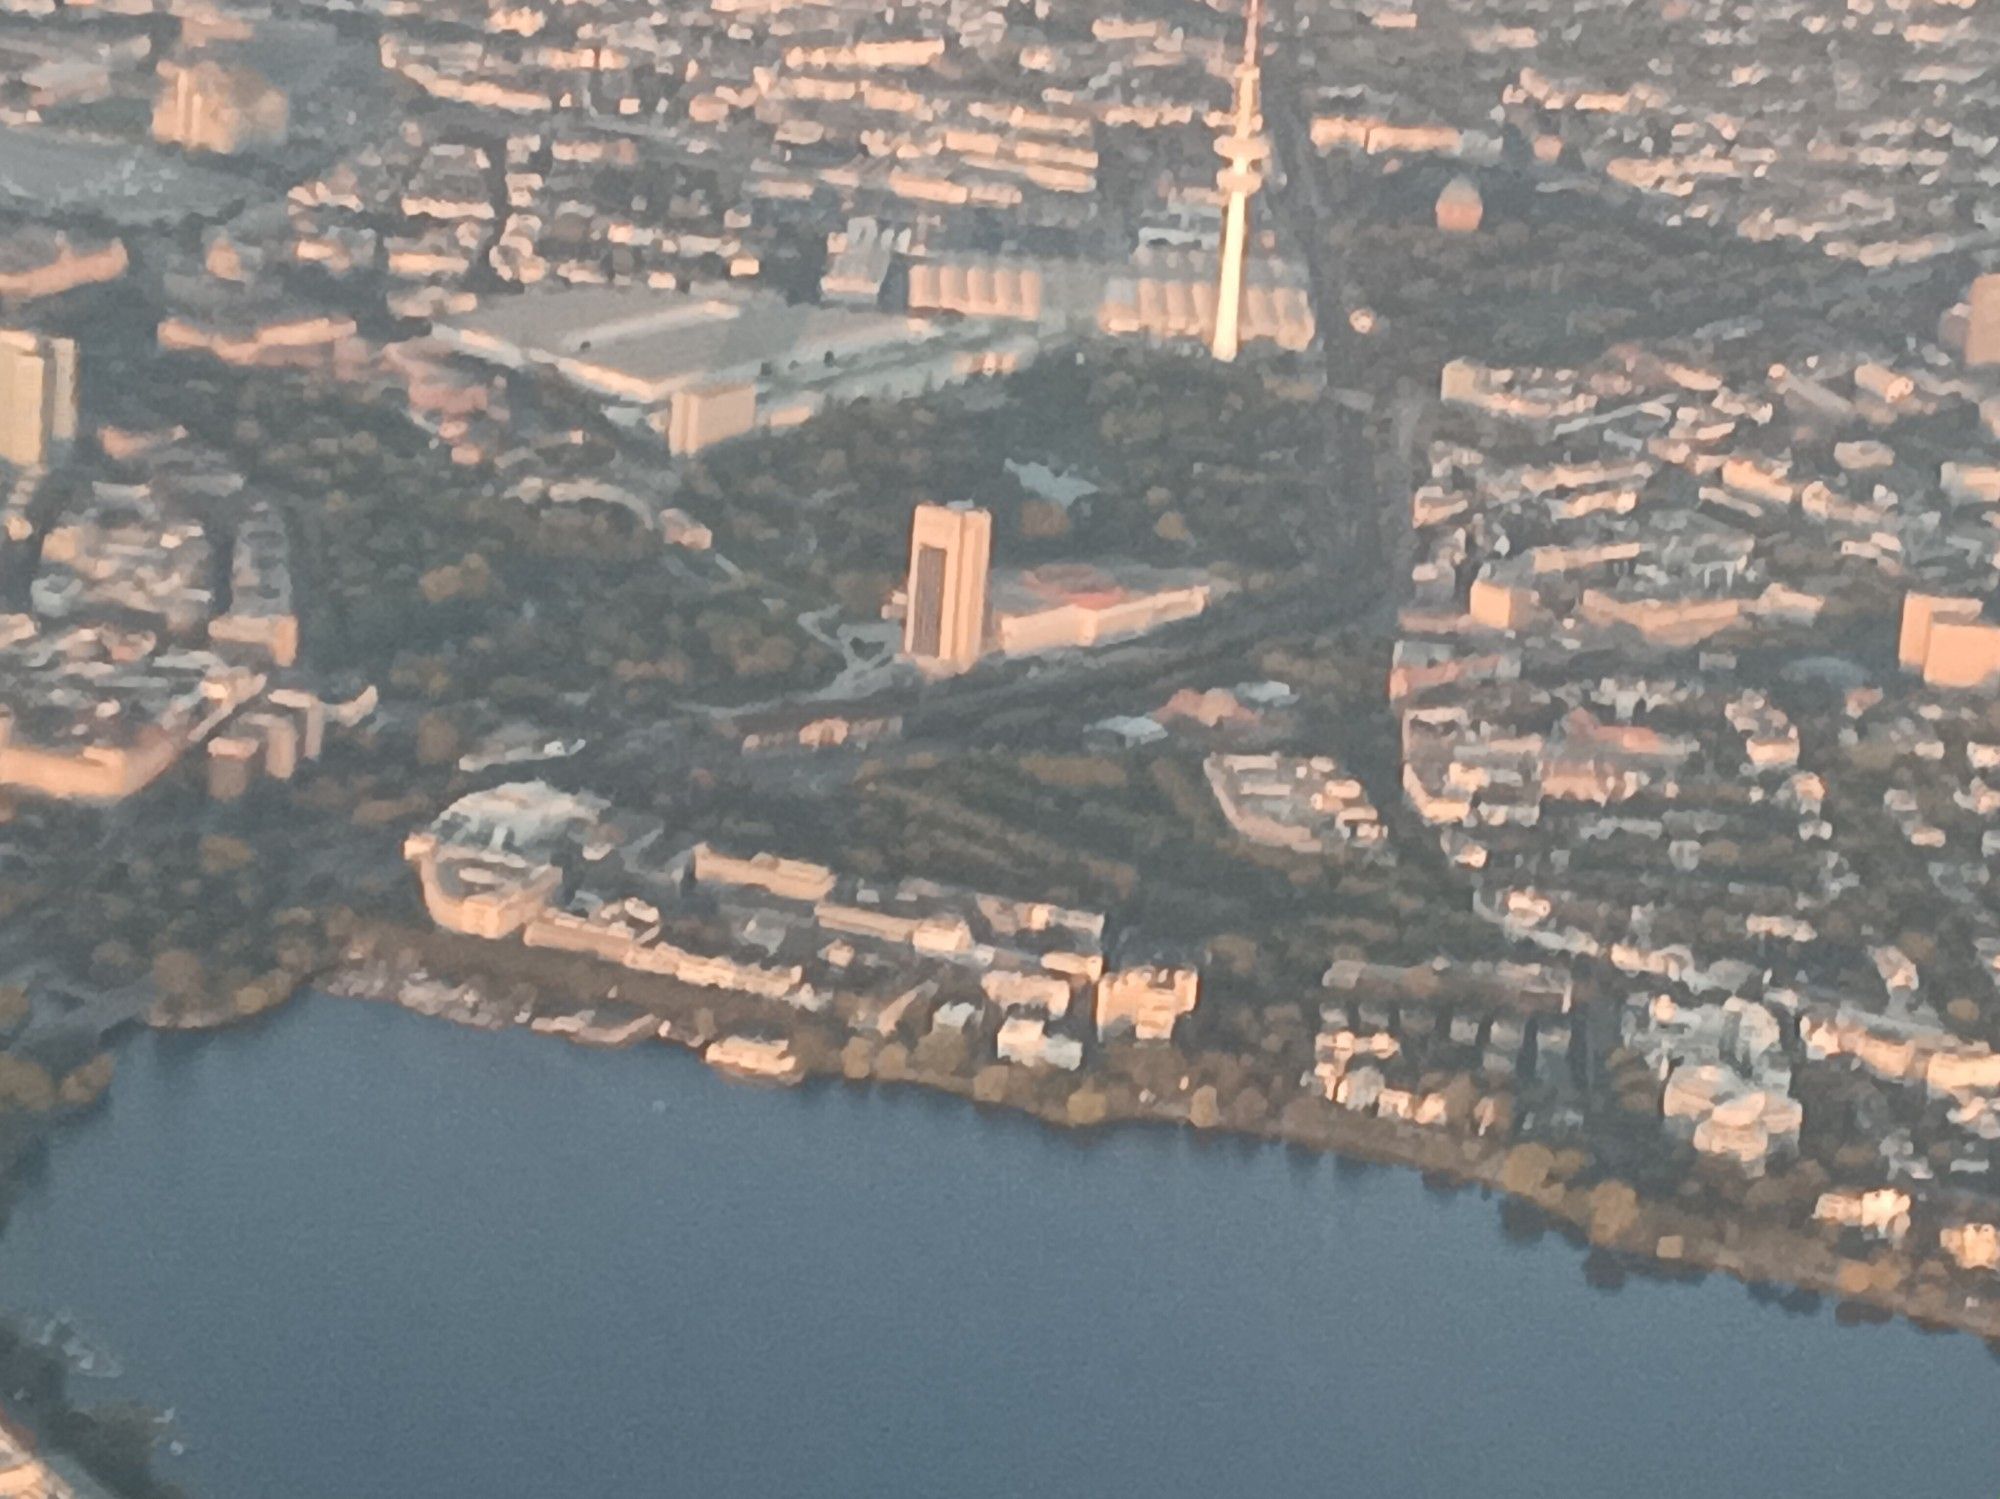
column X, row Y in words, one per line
column 1280, row 718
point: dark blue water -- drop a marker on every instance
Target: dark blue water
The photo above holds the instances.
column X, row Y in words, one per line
column 368, row 1254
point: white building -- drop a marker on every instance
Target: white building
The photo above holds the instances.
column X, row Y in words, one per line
column 1026, row 1039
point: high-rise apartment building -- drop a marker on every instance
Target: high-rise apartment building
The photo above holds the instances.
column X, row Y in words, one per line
column 951, row 551
column 37, row 397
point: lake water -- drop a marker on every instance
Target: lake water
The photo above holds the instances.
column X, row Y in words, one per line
column 365, row 1253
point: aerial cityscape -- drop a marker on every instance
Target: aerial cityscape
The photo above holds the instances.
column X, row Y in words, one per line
column 1405, row 584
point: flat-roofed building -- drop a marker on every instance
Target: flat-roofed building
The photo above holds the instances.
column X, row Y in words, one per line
column 944, row 628
column 90, row 714
column 708, row 367
column 1026, row 1039
column 260, row 614
column 1074, row 604
column 709, row 414
column 37, row 397
column 789, row 879
column 495, row 860
column 1146, row 1000
column 127, row 550
column 36, row 261
column 1982, row 328
column 1963, row 654
column 1922, row 613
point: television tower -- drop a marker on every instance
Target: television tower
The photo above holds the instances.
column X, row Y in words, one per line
column 1244, row 150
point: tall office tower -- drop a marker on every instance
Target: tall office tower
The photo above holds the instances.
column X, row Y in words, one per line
column 1982, row 329
column 951, row 549
column 37, row 397
column 1244, row 149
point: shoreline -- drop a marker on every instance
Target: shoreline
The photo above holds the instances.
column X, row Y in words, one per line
column 1765, row 1257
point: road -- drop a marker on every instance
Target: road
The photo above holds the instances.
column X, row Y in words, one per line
column 1296, row 197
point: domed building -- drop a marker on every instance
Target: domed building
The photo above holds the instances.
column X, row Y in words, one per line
column 1460, row 209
